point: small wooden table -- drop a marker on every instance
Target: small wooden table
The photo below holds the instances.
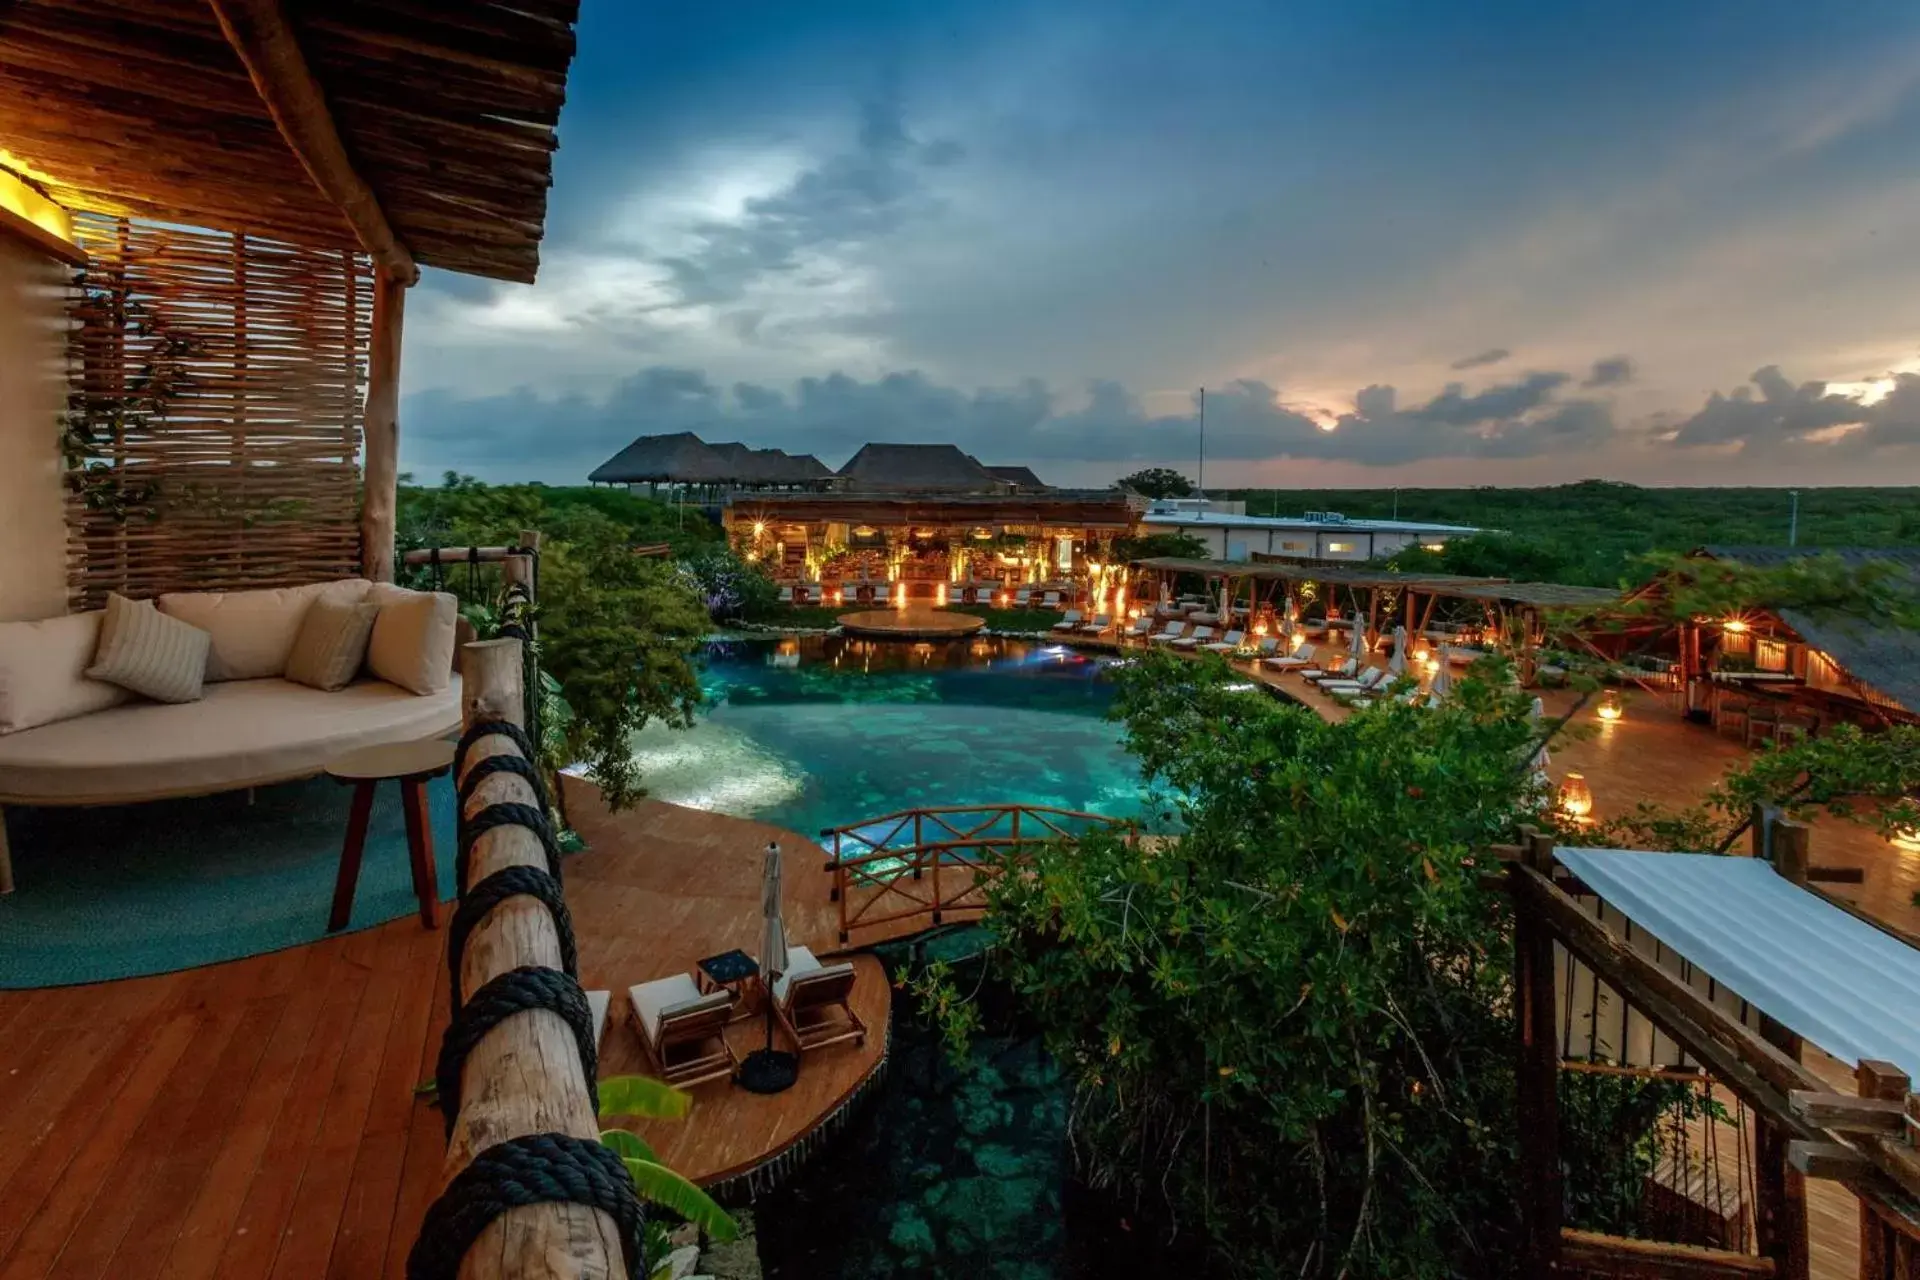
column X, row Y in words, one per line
column 412, row 765
column 733, row 971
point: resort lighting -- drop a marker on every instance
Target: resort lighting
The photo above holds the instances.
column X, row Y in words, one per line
column 759, row 527
column 1611, row 707
column 940, row 594
column 1002, row 600
column 1299, row 638
column 1737, row 626
column 1906, row 838
column 1576, row 798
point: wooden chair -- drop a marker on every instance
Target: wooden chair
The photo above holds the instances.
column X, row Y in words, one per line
column 683, row 1030
column 1763, row 721
column 813, row 1002
column 1730, row 715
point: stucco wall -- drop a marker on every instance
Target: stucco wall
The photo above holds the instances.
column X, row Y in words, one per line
column 33, row 531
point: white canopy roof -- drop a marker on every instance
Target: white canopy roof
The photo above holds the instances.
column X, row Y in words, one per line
column 1836, row 980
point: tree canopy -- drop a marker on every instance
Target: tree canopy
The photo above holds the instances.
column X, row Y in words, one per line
column 1156, row 482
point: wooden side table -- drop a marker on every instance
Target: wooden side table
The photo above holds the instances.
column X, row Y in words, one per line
column 412, row 765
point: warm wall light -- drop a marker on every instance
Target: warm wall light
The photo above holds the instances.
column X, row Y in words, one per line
column 35, row 218
column 1610, row 707
column 1906, row 838
column 1737, row 626
column 1576, row 797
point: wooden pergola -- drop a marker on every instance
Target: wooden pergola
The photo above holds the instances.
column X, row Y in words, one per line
column 313, row 138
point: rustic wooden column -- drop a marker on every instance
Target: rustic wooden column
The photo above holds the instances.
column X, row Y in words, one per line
column 524, row 1076
column 1780, row 1190
column 1538, row 1074
column 380, row 468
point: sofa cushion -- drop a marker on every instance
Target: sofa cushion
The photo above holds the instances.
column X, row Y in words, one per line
column 253, row 631
column 144, row 650
column 43, row 671
column 242, row 733
column 413, row 638
column 332, row 643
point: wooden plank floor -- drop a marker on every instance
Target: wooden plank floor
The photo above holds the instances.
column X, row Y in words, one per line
column 258, row 1118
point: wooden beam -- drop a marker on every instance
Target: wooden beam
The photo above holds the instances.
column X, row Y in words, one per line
column 380, row 429
column 1845, row 1113
column 261, row 34
column 1582, row 1251
column 523, row 1077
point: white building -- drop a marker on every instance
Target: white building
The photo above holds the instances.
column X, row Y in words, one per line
column 1317, row 535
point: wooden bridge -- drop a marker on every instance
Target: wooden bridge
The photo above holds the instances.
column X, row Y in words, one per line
column 929, row 861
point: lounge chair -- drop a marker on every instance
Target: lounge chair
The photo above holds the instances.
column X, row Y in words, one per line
column 1342, row 669
column 1173, row 632
column 1021, row 597
column 813, row 1002
column 1070, row 622
column 786, row 595
column 1142, row 626
column 1227, row 643
column 1199, row 637
column 684, row 1032
column 1369, row 679
column 1051, row 600
column 1297, row 660
column 1101, row 622
column 1265, row 649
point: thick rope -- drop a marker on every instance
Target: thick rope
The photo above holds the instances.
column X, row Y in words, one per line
column 505, row 728
column 490, row 893
column 519, row 766
column 504, row 815
column 515, row 991
column 541, row 1168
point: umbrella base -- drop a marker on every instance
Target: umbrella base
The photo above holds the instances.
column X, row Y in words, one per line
column 769, row 1071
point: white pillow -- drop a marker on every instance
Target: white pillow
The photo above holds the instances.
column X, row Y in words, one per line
column 413, row 638
column 253, row 631
column 43, row 671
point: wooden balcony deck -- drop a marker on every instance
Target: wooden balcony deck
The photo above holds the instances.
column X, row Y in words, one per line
column 258, row 1118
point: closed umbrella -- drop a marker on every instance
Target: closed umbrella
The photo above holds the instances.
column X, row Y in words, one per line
column 1442, row 679
column 767, row 1070
column 1397, row 664
column 1535, row 715
column 1358, row 647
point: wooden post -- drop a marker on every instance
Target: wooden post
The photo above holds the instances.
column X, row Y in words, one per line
column 1880, row 1246
column 380, row 469
column 1538, row 1076
column 524, row 1076
column 1780, row 1190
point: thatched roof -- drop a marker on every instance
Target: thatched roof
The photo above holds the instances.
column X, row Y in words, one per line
column 919, row 468
column 1878, row 654
column 782, row 467
column 1021, row 478
column 681, row 458
column 446, row 109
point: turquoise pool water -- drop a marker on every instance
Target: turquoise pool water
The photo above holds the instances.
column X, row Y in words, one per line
column 826, row 731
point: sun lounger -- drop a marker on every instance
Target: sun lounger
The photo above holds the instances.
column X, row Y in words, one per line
column 1265, row 649
column 786, row 595
column 1341, row 670
column 1099, row 624
column 1227, row 643
column 1051, row 600
column 1173, row 632
column 814, row 1002
column 1021, row 597
column 1069, row 622
column 1199, row 637
column 1369, row 679
column 1297, row 660
column 684, row 1032
column 1139, row 629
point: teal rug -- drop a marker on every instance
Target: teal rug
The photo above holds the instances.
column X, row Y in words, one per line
column 129, row 890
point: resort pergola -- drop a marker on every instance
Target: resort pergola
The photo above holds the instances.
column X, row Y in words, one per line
column 1512, row 615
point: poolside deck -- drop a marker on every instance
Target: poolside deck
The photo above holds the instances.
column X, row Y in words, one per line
column 258, row 1118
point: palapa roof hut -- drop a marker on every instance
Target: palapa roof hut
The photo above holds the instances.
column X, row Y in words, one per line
column 680, row 458
column 230, row 199
column 800, row 469
column 918, row 468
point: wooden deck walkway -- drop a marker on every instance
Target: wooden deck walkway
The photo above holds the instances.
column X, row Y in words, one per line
column 258, row 1118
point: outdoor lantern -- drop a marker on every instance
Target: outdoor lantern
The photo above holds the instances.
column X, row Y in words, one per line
column 1736, row 626
column 1299, row 638
column 839, row 596
column 1611, row 708
column 1576, row 798
column 1260, row 628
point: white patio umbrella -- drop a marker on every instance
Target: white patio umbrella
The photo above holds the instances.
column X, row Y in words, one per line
column 1536, row 714
column 1397, row 664
column 765, row 1070
column 1442, row 683
column 1358, row 641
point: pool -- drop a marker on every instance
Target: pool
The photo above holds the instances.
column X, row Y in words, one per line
column 825, row 731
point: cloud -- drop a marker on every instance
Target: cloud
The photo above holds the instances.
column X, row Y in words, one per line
column 1611, row 372
column 1028, row 421
column 1773, row 413
column 1493, row 355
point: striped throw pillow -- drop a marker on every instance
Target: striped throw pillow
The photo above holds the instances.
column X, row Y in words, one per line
column 145, row 651
column 332, row 643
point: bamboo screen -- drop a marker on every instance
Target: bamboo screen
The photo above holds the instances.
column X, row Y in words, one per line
column 215, row 388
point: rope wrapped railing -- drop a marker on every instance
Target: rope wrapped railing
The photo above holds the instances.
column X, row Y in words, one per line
column 529, row 1192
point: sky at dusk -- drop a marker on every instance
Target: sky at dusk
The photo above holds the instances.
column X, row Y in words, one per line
column 1399, row 243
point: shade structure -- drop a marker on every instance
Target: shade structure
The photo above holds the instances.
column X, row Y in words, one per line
column 1833, row 978
column 768, row 1070
column 773, row 926
column 1397, row 664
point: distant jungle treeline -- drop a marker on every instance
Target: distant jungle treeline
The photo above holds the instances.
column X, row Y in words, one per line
column 1592, row 532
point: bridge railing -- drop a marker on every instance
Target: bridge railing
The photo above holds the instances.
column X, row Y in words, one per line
column 927, row 862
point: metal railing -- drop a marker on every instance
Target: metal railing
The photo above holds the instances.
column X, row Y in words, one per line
column 930, row 861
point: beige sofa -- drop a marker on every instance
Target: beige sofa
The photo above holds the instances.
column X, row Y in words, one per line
column 69, row 740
